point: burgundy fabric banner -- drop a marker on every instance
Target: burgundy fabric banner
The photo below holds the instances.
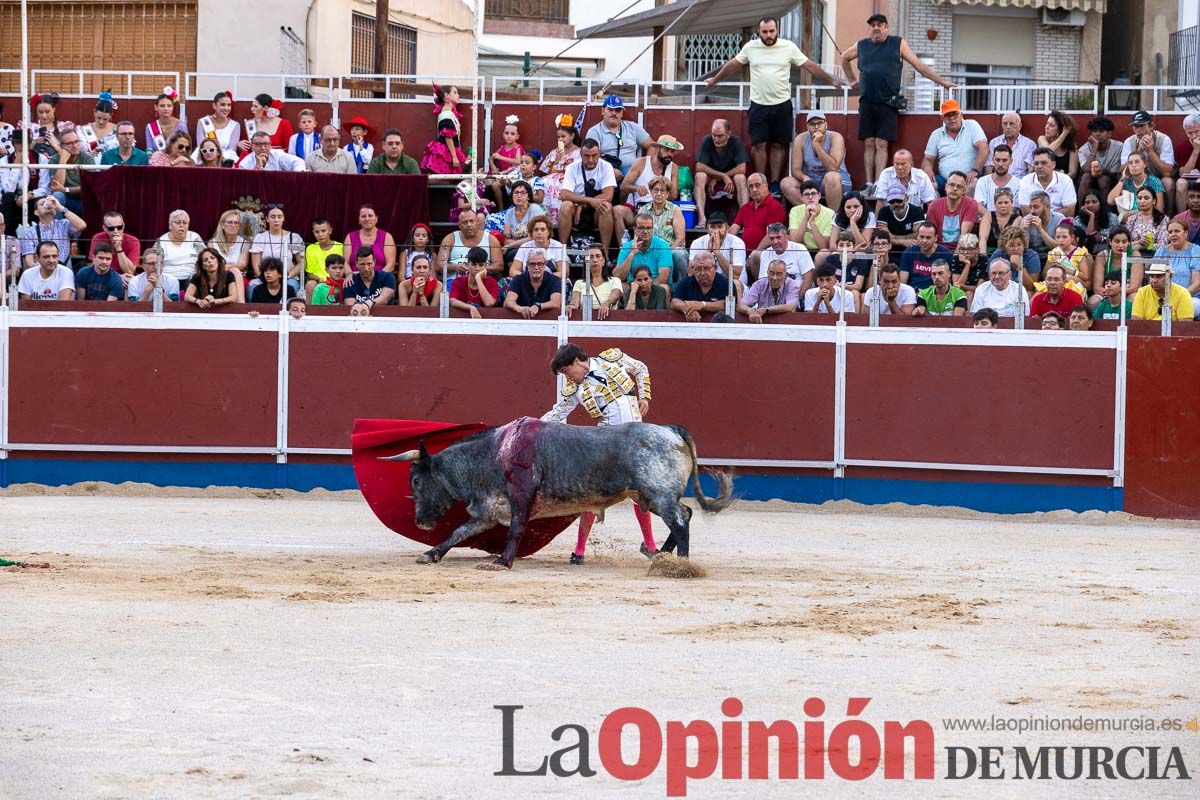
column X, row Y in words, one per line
column 146, row 196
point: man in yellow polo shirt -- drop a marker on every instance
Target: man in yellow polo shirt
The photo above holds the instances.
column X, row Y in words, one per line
column 772, row 121
column 1148, row 302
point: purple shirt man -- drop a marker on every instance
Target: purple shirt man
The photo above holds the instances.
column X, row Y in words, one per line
column 775, row 293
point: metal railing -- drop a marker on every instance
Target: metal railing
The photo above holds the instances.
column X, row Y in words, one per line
column 202, row 86
column 538, row 90
column 1183, row 56
column 1157, row 99
column 122, row 83
column 1012, row 94
column 924, row 96
column 402, row 88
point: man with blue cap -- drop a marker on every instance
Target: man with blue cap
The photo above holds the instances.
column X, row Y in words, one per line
column 621, row 141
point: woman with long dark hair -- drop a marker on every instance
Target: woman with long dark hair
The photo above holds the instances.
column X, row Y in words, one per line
column 266, row 117
column 606, row 291
column 101, row 133
column 1059, row 138
column 1147, row 223
column 213, row 283
column 1096, row 219
column 220, row 127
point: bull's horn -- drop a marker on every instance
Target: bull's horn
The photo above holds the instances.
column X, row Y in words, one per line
column 407, row 455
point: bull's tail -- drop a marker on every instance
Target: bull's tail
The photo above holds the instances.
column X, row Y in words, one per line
column 724, row 481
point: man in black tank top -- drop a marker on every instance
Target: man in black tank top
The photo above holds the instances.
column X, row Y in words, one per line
column 881, row 58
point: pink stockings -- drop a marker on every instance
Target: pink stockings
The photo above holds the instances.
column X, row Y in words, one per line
column 585, row 528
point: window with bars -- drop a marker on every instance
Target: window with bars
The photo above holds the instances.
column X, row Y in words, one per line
column 532, row 10
column 997, row 96
column 117, row 36
column 400, row 56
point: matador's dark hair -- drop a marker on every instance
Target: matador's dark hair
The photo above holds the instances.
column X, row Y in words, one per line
column 565, row 356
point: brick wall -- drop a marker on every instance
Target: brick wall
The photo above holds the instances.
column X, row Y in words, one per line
column 1056, row 48
column 1056, row 54
column 923, row 16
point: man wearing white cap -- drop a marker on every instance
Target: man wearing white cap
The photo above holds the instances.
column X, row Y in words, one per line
column 818, row 155
column 1150, row 300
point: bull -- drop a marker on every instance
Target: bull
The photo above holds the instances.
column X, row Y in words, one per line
column 529, row 469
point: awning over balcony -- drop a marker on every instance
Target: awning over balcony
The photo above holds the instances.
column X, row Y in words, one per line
column 1082, row 5
column 703, row 16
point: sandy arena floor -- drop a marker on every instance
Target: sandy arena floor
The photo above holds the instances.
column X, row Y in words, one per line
column 235, row 646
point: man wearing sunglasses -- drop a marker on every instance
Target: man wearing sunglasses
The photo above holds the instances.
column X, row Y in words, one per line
column 127, row 250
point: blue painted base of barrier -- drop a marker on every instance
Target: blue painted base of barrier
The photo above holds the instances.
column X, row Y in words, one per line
column 1003, row 498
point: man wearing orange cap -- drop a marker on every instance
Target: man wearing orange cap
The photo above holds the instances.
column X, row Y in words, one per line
column 959, row 145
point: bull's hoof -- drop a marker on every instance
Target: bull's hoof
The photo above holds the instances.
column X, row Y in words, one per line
column 647, row 552
column 494, row 566
column 576, row 559
column 427, row 558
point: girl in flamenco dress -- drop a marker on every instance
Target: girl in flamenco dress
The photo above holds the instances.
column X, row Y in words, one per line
column 443, row 156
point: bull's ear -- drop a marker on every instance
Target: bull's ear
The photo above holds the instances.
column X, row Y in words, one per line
column 408, row 455
column 424, row 454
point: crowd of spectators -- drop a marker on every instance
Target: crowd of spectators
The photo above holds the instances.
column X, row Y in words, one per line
column 1006, row 222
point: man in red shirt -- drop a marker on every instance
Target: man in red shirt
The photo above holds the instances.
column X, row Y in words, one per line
column 127, row 249
column 954, row 214
column 753, row 218
column 476, row 289
column 1057, row 297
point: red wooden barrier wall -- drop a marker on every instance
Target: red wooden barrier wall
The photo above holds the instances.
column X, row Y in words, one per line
column 742, row 399
column 1162, row 448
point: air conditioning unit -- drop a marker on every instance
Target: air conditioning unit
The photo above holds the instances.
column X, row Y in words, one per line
column 1064, row 17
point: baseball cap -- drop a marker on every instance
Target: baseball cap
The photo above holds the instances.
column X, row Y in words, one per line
column 950, row 106
column 1157, row 269
column 877, row 18
column 1141, row 118
column 717, row 217
column 895, row 192
column 477, row 255
column 815, row 115
column 614, row 101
